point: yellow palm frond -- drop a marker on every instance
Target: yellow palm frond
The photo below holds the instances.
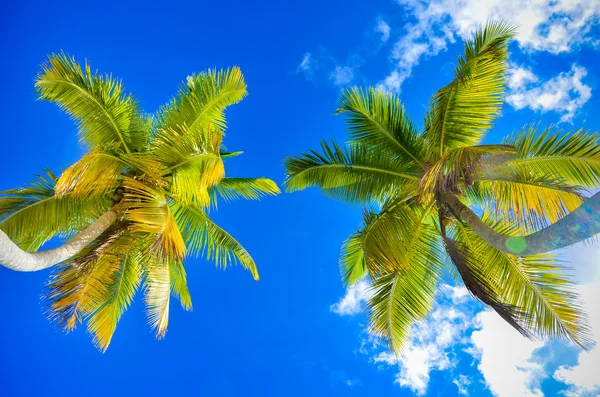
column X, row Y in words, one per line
column 96, row 173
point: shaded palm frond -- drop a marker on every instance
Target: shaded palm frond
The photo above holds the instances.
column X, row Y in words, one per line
column 149, row 212
column 458, row 168
column 535, row 288
column 355, row 174
column 465, row 109
column 106, row 116
column 80, row 286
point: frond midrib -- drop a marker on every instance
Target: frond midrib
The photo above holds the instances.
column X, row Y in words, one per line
column 87, row 94
column 361, row 167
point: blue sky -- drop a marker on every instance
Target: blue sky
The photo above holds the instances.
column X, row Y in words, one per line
column 297, row 332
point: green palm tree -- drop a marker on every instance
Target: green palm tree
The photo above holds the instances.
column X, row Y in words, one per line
column 434, row 195
column 135, row 205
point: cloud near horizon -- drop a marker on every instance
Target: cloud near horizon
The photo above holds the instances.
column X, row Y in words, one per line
column 460, row 329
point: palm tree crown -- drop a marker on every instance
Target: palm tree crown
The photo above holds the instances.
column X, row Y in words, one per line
column 420, row 186
column 156, row 176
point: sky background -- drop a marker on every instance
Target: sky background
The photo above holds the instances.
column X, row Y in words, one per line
column 297, row 332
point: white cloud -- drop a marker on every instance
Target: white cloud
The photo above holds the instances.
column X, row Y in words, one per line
column 352, row 303
column 584, row 377
column 306, row 66
column 552, row 26
column 457, row 294
column 430, row 346
column 505, row 358
column 384, row 29
column 342, row 75
column 462, row 383
column 564, row 94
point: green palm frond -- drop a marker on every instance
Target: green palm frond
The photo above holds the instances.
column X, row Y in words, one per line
column 465, row 109
column 377, row 118
column 535, row 288
column 355, row 174
column 570, row 157
column 123, row 284
column 203, row 237
column 353, row 266
column 201, row 101
column 406, row 296
column 179, row 286
column 247, row 188
column 37, row 205
column 106, row 116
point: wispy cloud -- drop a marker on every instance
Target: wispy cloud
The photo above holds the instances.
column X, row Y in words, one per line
column 462, row 382
column 342, row 75
column 307, row 66
column 354, row 299
column 383, row 29
column 564, row 94
column 556, row 27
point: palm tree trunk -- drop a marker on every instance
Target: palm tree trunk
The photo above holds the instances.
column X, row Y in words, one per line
column 14, row 258
column 577, row 226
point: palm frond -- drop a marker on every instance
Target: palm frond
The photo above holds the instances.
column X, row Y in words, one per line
column 203, row 237
column 80, row 286
column 353, row 266
column 247, row 188
column 32, row 215
column 121, row 289
column 530, row 201
column 179, row 286
column 406, row 296
column 157, row 287
column 201, row 101
column 377, row 119
column 465, row 109
column 570, row 157
column 96, row 173
column 458, row 168
column 355, row 174
column 106, row 116
column 535, row 288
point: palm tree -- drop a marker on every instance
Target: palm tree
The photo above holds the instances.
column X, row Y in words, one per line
column 135, row 205
column 435, row 199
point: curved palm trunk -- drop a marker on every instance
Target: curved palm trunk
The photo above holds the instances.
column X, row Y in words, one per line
column 14, row 258
column 578, row 226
